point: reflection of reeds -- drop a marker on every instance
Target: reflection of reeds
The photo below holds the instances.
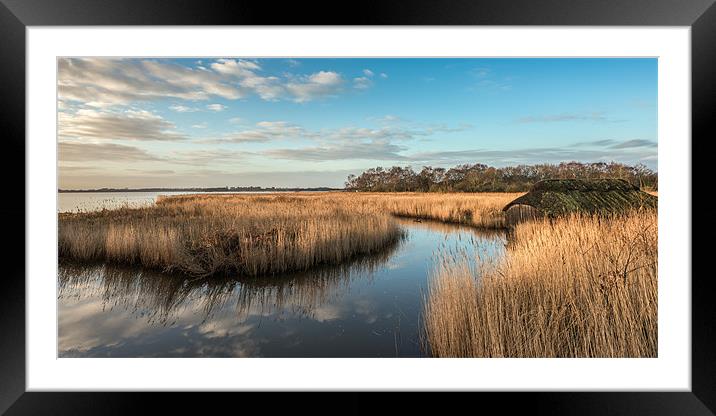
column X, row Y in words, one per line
column 160, row 298
column 152, row 295
column 573, row 287
column 228, row 234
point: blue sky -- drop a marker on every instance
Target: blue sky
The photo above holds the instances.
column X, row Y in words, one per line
column 311, row 122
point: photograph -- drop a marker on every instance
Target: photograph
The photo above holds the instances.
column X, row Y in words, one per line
column 352, row 207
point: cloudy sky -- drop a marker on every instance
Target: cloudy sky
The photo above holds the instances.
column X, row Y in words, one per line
column 311, row 122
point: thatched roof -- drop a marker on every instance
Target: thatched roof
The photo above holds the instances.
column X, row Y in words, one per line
column 595, row 196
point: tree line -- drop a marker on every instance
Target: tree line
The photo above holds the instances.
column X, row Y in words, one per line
column 483, row 178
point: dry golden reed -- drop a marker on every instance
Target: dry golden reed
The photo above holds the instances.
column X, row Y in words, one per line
column 575, row 287
column 260, row 234
column 483, row 210
column 228, row 234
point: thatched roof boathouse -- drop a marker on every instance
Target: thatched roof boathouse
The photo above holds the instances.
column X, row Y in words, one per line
column 557, row 197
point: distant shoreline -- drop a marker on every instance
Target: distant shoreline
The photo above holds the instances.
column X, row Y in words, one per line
column 225, row 189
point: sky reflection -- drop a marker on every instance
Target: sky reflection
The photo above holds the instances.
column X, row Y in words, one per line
column 369, row 308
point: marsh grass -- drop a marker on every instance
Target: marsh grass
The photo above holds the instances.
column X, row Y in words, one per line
column 574, row 287
column 482, row 210
column 579, row 286
column 256, row 235
column 246, row 235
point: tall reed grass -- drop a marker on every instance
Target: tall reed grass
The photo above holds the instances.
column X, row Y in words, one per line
column 228, row 234
column 574, row 287
column 260, row 234
column 483, row 210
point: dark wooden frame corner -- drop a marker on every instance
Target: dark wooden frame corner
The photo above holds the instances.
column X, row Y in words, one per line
column 16, row 15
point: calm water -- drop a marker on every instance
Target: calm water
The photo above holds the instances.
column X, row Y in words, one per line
column 90, row 201
column 369, row 308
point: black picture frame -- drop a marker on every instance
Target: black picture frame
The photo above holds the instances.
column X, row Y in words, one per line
column 16, row 15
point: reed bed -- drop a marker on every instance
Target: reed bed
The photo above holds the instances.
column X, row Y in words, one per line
column 247, row 235
column 483, row 210
column 575, row 287
column 260, row 234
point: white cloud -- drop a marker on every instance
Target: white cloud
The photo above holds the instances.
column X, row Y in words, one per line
column 182, row 109
column 273, row 124
column 325, row 78
column 382, row 149
column 239, row 68
column 263, row 132
column 119, row 125
column 371, row 150
column 355, row 143
column 384, row 75
column 635, row 143
column 106, row 82
column 268, row 88
column 266, row 131
column 81, row 152
column 201, row 125
column 368, row 72
column 216, row 107
column 245, row 136
column 209, row 157
column 504, row 157
column 317, row 85
column 362, row 83
column 387, row 119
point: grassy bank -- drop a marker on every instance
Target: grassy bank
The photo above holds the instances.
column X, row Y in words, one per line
column 576, row 287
